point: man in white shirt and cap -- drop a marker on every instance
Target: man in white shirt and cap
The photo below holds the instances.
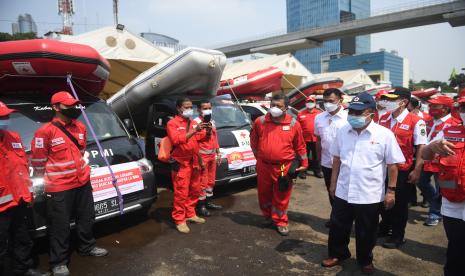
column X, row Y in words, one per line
column 326, row 125
column 363, row 152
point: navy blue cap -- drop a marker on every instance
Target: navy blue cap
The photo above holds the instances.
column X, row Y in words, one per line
column 362, row 101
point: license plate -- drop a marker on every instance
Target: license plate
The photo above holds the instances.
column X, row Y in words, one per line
column 248, row 170
column 106, row 206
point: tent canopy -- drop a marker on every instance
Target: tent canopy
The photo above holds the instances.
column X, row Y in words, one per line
column 350, row 77
column 294, row 71
column 128, row 54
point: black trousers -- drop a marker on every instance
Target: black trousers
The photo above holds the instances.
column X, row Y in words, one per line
column 396, row 218
column 314, row 163
column 327, row 177
column 61, row 208
column 366, row 218
column 15, row 239
column 455, row 230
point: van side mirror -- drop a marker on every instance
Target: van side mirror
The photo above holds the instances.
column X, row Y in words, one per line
column 129, row 125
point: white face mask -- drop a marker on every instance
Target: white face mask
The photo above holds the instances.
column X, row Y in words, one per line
column 275, row 111
column 331, row 107
column 4, row 124
column 462, row 116
column 206, row 112
column 389, row 106
column 188, row 113
column 310, row 105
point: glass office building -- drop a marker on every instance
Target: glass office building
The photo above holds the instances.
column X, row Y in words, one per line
column 304, row 14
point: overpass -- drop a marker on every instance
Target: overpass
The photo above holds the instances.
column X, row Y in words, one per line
column 452, row 12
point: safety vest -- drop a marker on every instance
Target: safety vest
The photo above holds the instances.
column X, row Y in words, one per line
column 433, row 165
column 451, row 175
column 15, row 184
column 56, row 155
column 404, row 136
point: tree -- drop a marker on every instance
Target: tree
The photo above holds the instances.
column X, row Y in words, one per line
column 17, row 36
column 425, row 84
column 457, row 79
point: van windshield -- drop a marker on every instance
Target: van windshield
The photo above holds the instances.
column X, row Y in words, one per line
column 31, row 116
column 227, row 114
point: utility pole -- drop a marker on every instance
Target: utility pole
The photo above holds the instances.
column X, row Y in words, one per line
column 115, row 11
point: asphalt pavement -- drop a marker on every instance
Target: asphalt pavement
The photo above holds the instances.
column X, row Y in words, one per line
column 234, row 241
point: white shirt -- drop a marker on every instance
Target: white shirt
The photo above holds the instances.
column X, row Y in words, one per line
column 419, row 132
column 451, row 209
column 364, row 158
column 326, row 126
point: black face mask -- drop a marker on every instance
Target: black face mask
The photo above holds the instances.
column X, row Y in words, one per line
column 72, row 113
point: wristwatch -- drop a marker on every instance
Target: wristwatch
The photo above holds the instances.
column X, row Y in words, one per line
column 393, row 189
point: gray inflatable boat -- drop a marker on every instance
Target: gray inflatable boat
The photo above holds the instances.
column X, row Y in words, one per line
column 192, row 72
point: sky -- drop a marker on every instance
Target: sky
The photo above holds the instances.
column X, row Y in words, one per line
column 431, row 50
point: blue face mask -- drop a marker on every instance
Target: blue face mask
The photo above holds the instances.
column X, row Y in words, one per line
column 4, row 124
column 357, row 121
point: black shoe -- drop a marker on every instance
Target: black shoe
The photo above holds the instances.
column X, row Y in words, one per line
column 393, row 243
column 267, row 223
column 302, row 176
column 201, row 208
column 212, row 206
column 34, row 272
column 318, row 174
column 425, row 204
column 95, row 252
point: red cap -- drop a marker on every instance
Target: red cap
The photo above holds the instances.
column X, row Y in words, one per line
column 4, row 110
column 63, row 97
column 444, row 100
column 310, row 99
column 380, row 93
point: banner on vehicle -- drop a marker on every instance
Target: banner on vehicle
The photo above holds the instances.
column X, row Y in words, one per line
column 129, row 179
column 239, row 157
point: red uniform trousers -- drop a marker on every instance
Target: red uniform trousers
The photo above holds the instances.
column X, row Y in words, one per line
column 187, row 188
column 273, row 202
column 208, row 176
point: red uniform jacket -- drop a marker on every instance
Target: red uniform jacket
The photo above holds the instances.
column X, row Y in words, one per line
column 306, row 119
column 15, row 184
column 433, row 165
column 278, row 143
column 184, row 151
column 56, row 157
column 208, row 145
column 404, row 136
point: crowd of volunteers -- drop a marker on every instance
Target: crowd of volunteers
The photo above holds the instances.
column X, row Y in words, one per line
column 372, row 154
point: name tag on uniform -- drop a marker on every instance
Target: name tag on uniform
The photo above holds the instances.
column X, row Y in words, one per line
column 17, row 145
column 39, row 143
column 181, row 128
column 404, row 126
column 81, row 136
column 286, row 127
column 58, row 141
column 303, row 116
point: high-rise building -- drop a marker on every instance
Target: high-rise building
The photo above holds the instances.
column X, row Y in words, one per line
column 306, row 14
column 25, row 24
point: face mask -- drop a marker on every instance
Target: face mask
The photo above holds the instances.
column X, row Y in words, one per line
column 275, row 111
column 4, row 124
column 188, row 113
column 310, row 105
column 389, row 106
column 206, row 112
column 357, row 121
column 72, row 113
column 435, row 112
column 462, row 116
column 331, row 107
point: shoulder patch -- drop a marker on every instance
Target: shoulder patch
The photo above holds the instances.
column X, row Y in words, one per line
column 39, row 143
